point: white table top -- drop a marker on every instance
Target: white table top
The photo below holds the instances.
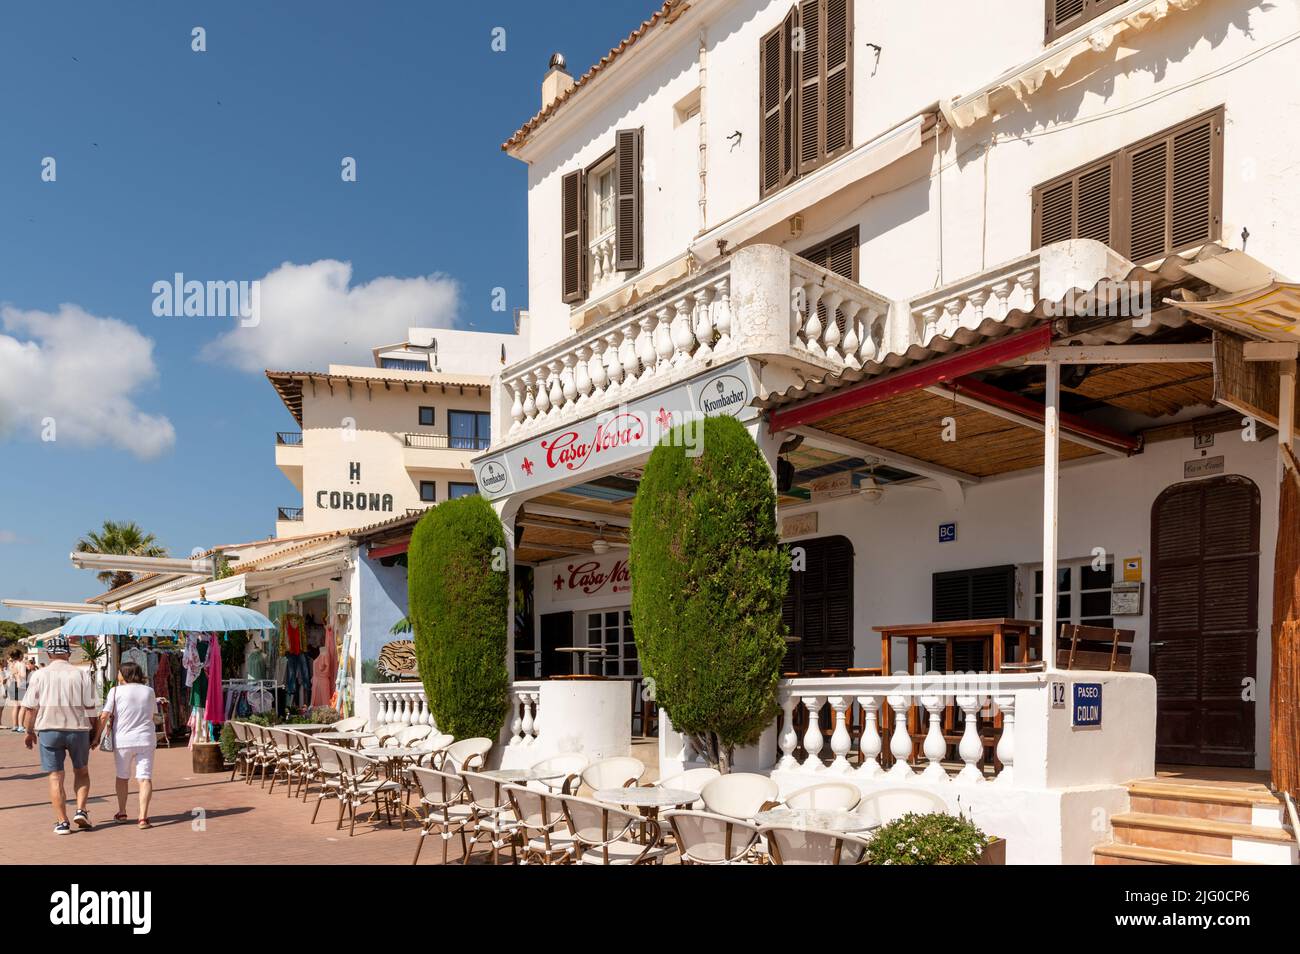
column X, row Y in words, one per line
column 303, row 726
column 827, row 819
column 396, row 752
column 523, row 775
column 592, row 650
column 344, row 735
column 647, row 796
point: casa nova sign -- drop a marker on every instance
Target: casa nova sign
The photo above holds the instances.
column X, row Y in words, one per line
column 620, row 433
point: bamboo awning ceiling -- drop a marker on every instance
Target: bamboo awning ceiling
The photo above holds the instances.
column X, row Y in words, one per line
column 1125, row 403
column 541, row 538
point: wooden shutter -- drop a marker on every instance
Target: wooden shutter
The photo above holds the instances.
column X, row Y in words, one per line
column 1080, row 204
column 1175, row 188
column 810, row 63
column 818, row 607
column 984, row 593
column 1065, row 15
column 838, row 84
column 573, row 240
column 776, row 106
column 627, row 200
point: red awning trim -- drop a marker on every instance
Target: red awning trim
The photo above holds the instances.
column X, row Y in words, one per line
column 393, row 549
column 939, row 371
column 1031, row 410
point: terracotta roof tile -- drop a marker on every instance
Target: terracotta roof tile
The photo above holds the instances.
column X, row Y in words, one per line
column 670, row 10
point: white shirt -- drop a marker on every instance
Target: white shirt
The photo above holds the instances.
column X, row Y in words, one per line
column 133, row 706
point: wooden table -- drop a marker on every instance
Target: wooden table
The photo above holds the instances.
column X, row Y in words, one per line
column 995, row 632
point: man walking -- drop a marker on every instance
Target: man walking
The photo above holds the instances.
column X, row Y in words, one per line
column 59, row 710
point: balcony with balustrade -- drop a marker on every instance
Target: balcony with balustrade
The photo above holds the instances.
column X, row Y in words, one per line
column 289, row 455
column 761, row 302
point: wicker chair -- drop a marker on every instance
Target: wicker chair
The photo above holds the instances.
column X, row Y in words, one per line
column 707, row 838
column 605, row 835
column 447, row 810
column 494, row 817
column 543, row 827
column 813, row 846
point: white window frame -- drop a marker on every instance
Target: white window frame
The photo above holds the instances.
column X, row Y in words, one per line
column 1027, row 593
column 625, row 639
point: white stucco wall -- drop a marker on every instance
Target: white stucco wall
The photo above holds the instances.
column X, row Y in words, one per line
column 1215, row 54
column 1104, row 502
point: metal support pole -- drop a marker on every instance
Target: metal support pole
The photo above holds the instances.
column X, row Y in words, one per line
column 1051, row 489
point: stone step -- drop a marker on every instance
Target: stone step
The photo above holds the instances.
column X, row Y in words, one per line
column 1201, row 835
column 1111, row 853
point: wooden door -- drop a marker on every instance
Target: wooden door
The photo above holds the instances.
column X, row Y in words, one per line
column 819, row 607
column 557, row 630
column 1204, row 620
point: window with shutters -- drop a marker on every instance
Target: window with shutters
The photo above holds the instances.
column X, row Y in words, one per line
column 983, row 593
column 805, row 91
column 1156, row 197
column 601, row 216
column 838, row 254
column 1063, row 16
column 818, row 608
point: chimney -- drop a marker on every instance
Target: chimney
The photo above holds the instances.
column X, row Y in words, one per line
column 557, row 80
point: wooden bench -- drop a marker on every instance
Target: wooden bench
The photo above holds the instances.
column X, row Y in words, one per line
column 1094, row 647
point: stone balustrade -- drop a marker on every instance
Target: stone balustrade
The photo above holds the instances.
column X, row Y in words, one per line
column 874, row 725
column 399, row 704
column 834, row 319
column 602, row 255
column 970, row 302
column 525, row 724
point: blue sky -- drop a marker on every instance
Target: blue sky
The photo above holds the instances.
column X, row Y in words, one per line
column 224, row 165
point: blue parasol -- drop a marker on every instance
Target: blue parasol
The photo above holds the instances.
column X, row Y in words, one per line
column 115, row 623
column 198, row 616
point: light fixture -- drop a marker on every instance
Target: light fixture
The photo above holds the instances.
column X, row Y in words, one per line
column 600, row 545
column 343, row 610
column 870, row 489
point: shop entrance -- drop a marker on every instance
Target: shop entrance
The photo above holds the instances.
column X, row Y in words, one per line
column 1204, row 620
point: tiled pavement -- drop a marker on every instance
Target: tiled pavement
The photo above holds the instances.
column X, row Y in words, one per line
column 204, row 819
column 198, row 819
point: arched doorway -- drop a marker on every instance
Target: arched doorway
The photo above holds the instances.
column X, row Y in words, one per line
column 1205, row 620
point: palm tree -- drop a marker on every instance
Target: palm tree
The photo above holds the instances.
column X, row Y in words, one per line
column 121, row 539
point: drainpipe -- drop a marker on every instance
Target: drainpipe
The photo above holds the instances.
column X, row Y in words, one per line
column 1051, row 487
column 704, row 130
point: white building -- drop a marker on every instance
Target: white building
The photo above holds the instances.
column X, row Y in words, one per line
column 860, row 228
column 395, row 438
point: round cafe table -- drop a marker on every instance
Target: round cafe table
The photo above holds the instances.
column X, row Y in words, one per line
column 347, row 739
column 392, row 758
column 827, row 819
column 308, row 727
column 516, row 776
column 647, row 799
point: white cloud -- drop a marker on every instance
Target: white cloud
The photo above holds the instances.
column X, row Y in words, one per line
column 8, row 536
column 79, row 372
column 312, row 316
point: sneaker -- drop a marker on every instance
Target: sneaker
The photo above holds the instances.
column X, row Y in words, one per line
column 82, row 820
column 62, row 828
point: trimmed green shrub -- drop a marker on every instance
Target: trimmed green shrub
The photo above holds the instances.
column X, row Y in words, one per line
column 458, row 588
column 708, row 581
column 930, row 839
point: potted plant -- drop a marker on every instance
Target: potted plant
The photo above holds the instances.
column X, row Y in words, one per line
column 934, row 838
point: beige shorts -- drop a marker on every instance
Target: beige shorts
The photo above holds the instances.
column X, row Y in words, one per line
column 141, row 756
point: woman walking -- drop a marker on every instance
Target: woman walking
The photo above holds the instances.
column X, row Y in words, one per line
column 128, row 720
column 15, row 686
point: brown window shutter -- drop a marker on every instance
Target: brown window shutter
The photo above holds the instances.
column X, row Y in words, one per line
column 838, row 84
column 810, row 65
column 1080, row 204
column 1065, row 15
column 1175, row 182
column 776, row 95
column 627, row 200
column 838, row 254
column 573, row 240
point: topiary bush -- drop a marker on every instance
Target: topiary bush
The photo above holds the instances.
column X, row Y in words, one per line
column 930, row 839
column 458, row 592
column 708, row 581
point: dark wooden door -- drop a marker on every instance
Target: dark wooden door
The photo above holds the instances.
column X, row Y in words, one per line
column 557, row 630
column 1204, row 620
column 818, row 607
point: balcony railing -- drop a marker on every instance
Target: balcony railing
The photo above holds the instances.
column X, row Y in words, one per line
column 760, row 302
column 970, row 302
column 289, row 438
column 288, row 513
column 444, row 442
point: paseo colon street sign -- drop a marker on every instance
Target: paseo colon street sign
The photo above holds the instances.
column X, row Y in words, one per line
column 618, row 434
